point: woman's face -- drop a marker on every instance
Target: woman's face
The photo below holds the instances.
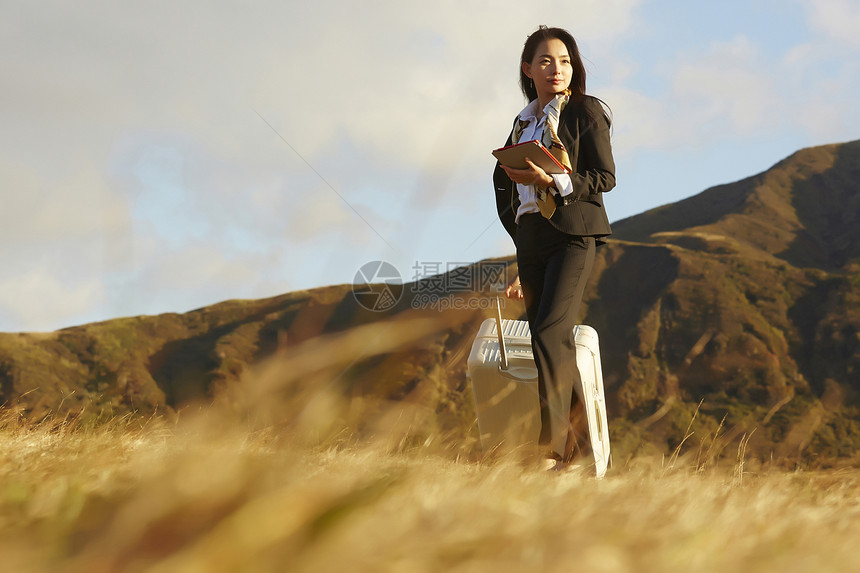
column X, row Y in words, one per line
column 550, row 69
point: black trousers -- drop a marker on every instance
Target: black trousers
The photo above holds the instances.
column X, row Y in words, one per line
column 553, row 268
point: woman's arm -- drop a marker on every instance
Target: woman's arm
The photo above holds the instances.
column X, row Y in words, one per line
column 504, row 188
column 594, row 171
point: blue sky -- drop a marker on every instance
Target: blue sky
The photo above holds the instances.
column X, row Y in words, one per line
column 162, row 157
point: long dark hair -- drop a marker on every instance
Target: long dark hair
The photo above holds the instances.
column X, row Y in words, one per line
column 577, row 80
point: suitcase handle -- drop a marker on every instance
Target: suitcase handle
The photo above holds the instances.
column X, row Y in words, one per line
column 503, row 353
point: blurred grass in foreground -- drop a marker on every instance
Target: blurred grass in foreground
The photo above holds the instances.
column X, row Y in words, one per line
column 196, row 497
column 284, row 472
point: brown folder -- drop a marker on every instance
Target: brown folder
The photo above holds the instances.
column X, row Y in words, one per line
column 515, row 156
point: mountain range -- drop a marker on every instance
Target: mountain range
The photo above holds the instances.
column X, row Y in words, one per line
column 729, row 320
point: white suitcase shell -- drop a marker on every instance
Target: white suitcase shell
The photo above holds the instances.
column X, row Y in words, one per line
column 506, row 400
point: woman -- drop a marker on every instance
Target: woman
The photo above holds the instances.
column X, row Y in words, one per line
column 556, row 221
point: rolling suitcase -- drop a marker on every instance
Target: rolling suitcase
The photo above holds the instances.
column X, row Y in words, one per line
column 504, row 384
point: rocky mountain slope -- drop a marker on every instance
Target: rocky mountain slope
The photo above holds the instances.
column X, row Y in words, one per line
column 737, row 308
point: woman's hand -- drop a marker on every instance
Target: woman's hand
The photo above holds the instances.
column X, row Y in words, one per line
column 515, row 289
column 532, row 175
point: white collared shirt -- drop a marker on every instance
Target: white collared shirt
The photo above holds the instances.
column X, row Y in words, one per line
column 534, row 130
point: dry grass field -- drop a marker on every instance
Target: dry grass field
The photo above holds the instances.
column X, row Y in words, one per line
column 285, row 473
column 203, row 494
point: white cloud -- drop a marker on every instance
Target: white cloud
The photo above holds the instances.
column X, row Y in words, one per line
column 837, row 19
column 76, row 205
column 826, row 116
column 380, row 73
column 415, row 77
column 320, row 212
column 38, row 300
column 735, row 91
column 640, row 121
column 727, row 89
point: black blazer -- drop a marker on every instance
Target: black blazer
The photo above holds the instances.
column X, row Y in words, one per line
column 587, row 143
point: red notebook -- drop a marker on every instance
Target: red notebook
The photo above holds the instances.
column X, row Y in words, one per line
column 515, row 156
